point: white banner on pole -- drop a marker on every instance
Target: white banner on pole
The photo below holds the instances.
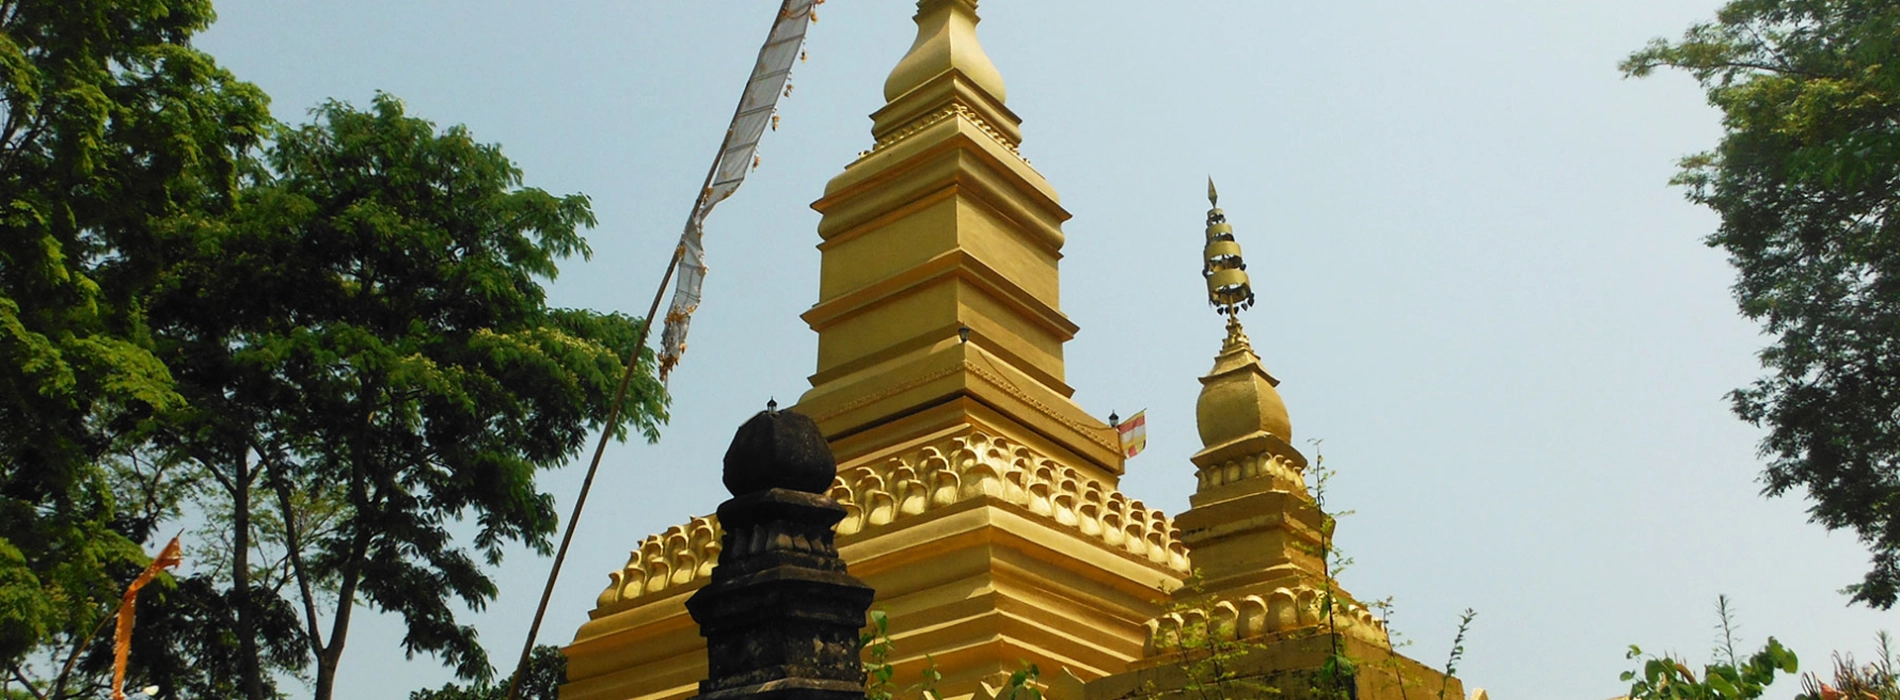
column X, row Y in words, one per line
column 736, row 158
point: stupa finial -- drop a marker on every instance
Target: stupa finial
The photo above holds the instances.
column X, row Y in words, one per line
column 946, row 42
column 1238, row 400
column 1228, row 289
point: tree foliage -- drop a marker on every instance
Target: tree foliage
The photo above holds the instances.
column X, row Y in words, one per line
column 327, row 346
column 112, row 130
column 1807, row 181
column 367, row 358
column 1669, row 678
column 547, row 670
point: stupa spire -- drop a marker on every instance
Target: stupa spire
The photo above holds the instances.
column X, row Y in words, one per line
column 1253, row 527
column 945, row 72
column 1228, row 288
column 1239, row 410
column 939, row 298
column 946, row 41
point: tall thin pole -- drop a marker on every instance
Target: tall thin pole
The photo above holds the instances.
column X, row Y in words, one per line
column 607, row 430
column 701, row 207
column 613, row 414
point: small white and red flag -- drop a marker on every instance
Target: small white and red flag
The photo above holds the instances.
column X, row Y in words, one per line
column 1134, row 433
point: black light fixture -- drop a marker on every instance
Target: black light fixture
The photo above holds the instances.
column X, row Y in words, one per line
column 963, row 334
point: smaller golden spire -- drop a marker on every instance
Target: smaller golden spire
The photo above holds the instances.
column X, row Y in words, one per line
column 1238, row 399
column 1228, row 289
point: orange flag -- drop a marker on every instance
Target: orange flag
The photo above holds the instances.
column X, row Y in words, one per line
column 167, row 558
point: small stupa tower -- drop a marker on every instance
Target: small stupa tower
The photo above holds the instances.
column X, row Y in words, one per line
column 1253, row 525
column 939, row 301
column 1262, row 592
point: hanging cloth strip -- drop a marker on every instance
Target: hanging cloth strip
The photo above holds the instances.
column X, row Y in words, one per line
column 737, row 156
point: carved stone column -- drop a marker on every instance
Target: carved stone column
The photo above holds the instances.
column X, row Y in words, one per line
column 781, row 616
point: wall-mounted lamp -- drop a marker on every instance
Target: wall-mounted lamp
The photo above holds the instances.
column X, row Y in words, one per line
column 963, row 334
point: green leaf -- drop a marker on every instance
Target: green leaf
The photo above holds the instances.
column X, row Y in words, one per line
column 1723, row 686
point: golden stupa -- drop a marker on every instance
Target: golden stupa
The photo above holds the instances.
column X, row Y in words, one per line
column 1262, row 595
column 984, row 503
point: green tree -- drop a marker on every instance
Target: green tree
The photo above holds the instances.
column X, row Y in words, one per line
column 1806, row 179
column 112, row 131
column 547, row 670
column 367, row 359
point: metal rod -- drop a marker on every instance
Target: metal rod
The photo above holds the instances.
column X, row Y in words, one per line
column 613, row 414
column 607, row 430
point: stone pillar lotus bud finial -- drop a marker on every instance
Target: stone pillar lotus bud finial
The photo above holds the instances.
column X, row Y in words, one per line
column 779, row 450
column 781, row 614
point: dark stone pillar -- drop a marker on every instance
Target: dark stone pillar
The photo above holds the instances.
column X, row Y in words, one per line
column 781, row 615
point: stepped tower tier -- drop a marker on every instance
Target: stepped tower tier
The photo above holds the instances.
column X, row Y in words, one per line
column 942, row 226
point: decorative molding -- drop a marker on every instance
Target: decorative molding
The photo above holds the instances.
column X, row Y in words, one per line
column 952, row 470
column 1252, row 617
column 995, row 379
column 980, row 465
column 999, row 381
column 1286, row 474
column 890, row 391
column 946, row 113
column 681, row 555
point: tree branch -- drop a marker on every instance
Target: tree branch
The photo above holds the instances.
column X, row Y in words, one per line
column 230, row 486
column 294, row 552
column 59, row 682
column 15, row 668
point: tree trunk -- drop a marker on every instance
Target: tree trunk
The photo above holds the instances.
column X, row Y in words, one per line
column 293, row 545
column 251, row 675
column 350, row 576
column 339, row 630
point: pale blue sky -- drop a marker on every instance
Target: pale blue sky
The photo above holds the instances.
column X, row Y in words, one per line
column 1474, row 281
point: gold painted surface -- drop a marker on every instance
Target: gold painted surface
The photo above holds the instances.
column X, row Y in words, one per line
column 1257, row 538
column 932, row 474
column 1281, row 612
column 1288, row 661
column 946, row 41
column 984, row 552
column 983, row 503
column 1238, row 398
column 941, row 225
